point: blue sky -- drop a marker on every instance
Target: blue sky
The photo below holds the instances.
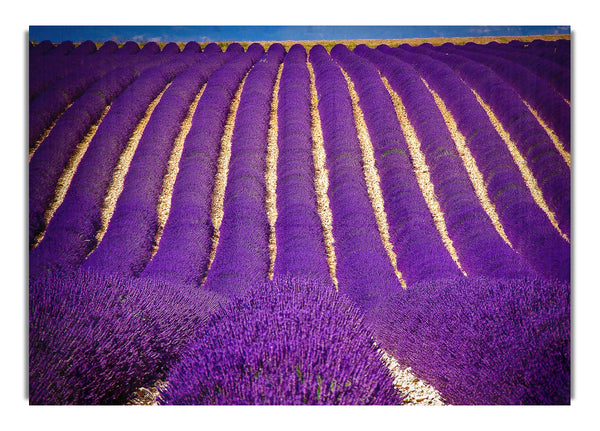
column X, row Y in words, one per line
column 258, row 33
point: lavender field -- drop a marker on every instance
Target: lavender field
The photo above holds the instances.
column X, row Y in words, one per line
column 244, row 225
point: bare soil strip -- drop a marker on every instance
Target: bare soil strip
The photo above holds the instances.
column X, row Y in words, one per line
column 218, row 196
column 372, row 178
column 67, row 176
column 520, row 161
column 271, row 173
column 470, row 165
column 422, row 173
column 116, row 186
column 164, row 200
column 322, row 178
column 555, row 140
column 46, row 133
column 416, row 391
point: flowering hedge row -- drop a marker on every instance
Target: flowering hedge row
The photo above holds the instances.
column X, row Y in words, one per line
column 364, row 270
column 126, row 246
column 298, row 231
column 184, row 247
column 52, row 156
column 526, row 225
column 481, row 251
column 242, row 253
column 71, row 233
column 417, row 244
column 556, row 75
column 543, row 98
column 543, row 159
column 45, row 108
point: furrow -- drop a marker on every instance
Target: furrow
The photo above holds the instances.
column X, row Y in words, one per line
column 271, row 173
column 422, row 173
column 372, row 178
column 322, row 178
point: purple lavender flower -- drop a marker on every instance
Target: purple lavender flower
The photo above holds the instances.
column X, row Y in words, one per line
column 95, row 339
column 482, row 341
column 290, row 341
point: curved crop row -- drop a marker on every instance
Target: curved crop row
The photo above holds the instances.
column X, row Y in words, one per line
column 543, row 98
column 126, row 246
column 558, row 51
column 71, row 233
column 51, row 157
column 185, row 243
column 556, row 75
column 51, row 103
column 480, row 249
column 525, row 223
column 551, row 172
column 299, row 238
column 364, row 270
column 244, row 232
column 417, row 244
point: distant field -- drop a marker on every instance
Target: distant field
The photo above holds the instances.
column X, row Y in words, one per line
column 372, row 43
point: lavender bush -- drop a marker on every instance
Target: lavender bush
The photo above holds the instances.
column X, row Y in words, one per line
column 94, row 339
column 290, row 341
column 483, row 341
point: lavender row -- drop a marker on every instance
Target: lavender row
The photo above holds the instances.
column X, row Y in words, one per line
column 52, row 156
column 127, row 244
column 299, row 235
column 548, row 167
column 96, row 339
column 364, row 270
column 242, row 254
column 542, row 97
column 71, row 233
column 558, row 51
column 557, row 76
column 286, row 342
column 417, row 244
column 45, row 71
column 526, row 225
column 483, row 341
column 48, row 106
column 480, row 249
column 185, row 243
